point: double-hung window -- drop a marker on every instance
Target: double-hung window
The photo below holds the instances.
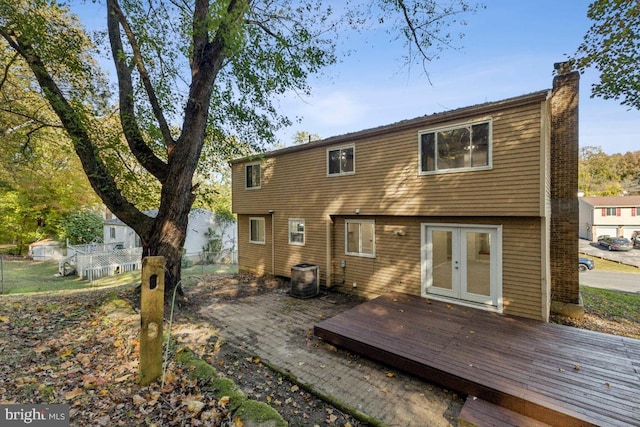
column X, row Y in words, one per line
column 252, row 175
column 360, row 238
column 296, row 232
column 610, row 211
column 341, row 161
column 256, row 230
column 456, row 148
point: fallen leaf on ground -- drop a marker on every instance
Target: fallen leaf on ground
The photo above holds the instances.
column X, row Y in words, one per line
column 70, row 395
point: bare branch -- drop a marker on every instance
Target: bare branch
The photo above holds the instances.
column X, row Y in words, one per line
column 144, row 74
column 133, row 135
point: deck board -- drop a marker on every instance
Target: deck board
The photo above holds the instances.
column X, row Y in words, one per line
column 557, row 374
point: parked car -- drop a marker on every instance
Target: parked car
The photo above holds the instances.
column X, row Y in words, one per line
column 615, row 243
column 585, row 264
column 635, row 238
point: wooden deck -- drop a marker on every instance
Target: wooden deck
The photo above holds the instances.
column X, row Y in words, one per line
column 556, row 374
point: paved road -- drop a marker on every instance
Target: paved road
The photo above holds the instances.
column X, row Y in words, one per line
column 628, row 282
column 631, row 257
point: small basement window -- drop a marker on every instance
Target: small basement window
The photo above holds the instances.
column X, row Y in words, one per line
column 360, row 238
column 296, row 231
column 256, row 230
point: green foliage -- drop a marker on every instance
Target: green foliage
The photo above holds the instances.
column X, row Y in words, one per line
column 215, row 235
column 304, row 137
column 602, row 175
column 81, row 227
column 198, row 84
column 612, row 46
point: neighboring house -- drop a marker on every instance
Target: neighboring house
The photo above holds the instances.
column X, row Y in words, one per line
column 475, row 206
column 201, row 222
column 612, row 215
column 45, row 250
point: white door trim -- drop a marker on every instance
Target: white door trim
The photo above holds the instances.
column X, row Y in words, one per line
column 459, row 295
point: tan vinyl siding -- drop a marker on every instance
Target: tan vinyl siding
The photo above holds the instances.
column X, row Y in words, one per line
column 254, row 257
column 397, row 262
column 387, row 186
column 387, row 179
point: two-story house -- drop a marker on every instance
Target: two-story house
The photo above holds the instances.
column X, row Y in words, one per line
column 475, row 206
column 611, row 215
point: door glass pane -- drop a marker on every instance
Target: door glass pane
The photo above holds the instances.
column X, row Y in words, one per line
column 479, row 263
column 442, row 252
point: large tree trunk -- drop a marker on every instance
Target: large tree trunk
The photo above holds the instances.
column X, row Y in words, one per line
column 168, row 243
column 169, row 230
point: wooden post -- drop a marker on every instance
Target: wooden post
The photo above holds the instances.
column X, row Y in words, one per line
column 151, row 315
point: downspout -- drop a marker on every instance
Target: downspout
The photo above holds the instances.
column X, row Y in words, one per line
column 273, row 244
column 329, row 255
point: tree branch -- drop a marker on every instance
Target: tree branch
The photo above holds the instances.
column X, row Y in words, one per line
column 5, row 75
column 144, row 75
column 98, row 175
column 143, row 153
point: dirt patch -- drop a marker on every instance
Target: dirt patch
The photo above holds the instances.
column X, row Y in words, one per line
column 299, row 407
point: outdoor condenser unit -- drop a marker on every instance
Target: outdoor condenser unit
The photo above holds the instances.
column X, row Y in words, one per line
column 305, row 280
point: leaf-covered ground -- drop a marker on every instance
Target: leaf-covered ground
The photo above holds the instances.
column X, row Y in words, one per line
column 82, row 349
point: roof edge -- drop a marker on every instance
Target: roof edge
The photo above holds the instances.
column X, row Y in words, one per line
column 403, row 124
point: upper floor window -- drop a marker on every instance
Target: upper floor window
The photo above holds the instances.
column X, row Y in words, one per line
column 112, row 232
column 296, row 232
column 456, row 148
column 360, row 238
column 256, row 230
column 341, row 161
column 252, row 175
column 611, row 212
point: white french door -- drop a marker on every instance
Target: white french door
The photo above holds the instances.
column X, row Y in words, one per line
column 462, row 262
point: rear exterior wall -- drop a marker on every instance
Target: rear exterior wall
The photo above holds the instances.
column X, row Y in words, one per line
column 387, row 187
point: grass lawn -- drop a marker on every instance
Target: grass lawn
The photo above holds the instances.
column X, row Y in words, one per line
column 611, row 304
column 606, row 265
column 25, row 276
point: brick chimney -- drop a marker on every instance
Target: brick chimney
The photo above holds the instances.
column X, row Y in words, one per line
column 565, row 285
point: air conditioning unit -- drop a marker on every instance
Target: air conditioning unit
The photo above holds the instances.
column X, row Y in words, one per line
column 305, row 281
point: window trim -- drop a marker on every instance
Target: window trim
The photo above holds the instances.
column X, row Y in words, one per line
column 341, row 147
column 264, row 230
column 489, row 164
column 608, row 211
column 246, row 167
column 304, row 232
column 346, row 238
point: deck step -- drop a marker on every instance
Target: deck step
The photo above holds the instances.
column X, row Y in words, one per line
column 480, row 413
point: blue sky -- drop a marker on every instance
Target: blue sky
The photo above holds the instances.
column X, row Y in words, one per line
column 508, row 50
